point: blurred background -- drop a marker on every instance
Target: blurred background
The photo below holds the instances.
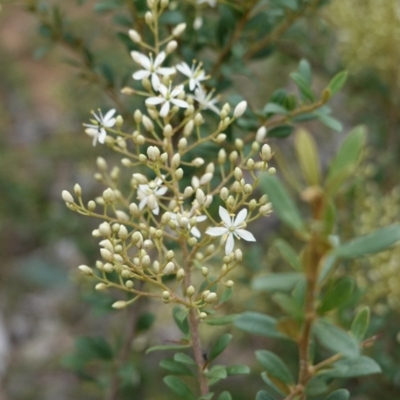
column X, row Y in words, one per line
column 47, row 312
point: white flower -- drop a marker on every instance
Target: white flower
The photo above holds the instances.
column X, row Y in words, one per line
column 195, row 74
column 183, row 216
column 167, row 97
column 151, row 68
column 205, row 100
column 148, row 193
column 211, row 3
column 232, row 227
column 97, row 129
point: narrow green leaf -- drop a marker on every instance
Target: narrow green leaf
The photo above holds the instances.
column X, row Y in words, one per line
column 237, row 370
column 274, row 366
column 281, row 132
column 258, row 324
column 227, row 319
column 180, row 318
column 317, row 386
column 217, row 372
column 288, row 254
column 225, row 396
column 263, row 395
column 303, row 85
column 346, row 159
column 329, row 121
column 105, row 6
column 273, row 108
column 341, row 394
column 162, row 347
column 354, row 367
column 175, row 367
column 184, row 359
column 360, row 323
column 288, row 304
column 337, row 82
column 370, row 243
column 305, row 70
column 93, row 347
column 179, row 387
column 220, row 346
column 336, row 339
column 281, row 281
column 327, row 267
column 275, row 384
column 283, row 205
column 337, row 294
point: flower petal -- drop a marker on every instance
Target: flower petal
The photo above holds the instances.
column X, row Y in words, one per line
column 166, row 71
column 180, row 103
column 141, row 74
column 109, row 115
column 102, row 135
column 163, row 90
column 155, row 100
column 225, row 217
column 161, row 191
column 155, row 81
column 240, row 217
column 159, row 59
column 143, row 203
column 201, row 218
column 144, row 61
column 245, row 235
column 165, row 109
column 230, row 244
column 195, row 232
column 217, row 231
column 184, row 69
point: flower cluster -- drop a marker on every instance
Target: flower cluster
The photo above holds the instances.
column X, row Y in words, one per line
column 173, row 192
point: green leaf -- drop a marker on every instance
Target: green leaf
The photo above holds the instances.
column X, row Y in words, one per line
column 184, row 359
column 217, row 372
column 303, row 85
column 207, row 396
column 273, row 108
column 328, row 265
column 225, row 396
column 354, row 367
column 274, row 383
column 317, row 386
column 329, row 121
column 220, row 346
column 175, row 367
column 263, row 395
column 305, row 71
column 281, row 132
column 288, row 304
column 237, row 370
column 283, row 205
column 258, row 324
column 335, row 339
column 370, row 243
column 226, row 295
column 346, row 159
column 360, row 323
column 341, row 394
column 179, row 387
column 93, row 347
column 337, row 82
column 337, row 294
column 281, row 281
column 145, row 321
column 274, row 366
column 162, row 347
column 227, row 319
column 180, row 318
column 288, row 254
column 105, row 6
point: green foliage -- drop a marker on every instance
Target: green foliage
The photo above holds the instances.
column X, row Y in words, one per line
column 341, row 394
column 337, row 294
column 274, row 366
column 258, row 324
column 179, row 387
column 220, row 345
column 360, row 323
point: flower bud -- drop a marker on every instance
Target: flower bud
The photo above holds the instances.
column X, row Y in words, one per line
column 188, row 191
column 171, row 46
column 238, row 255
column 134, row 35
column 272, row 171
column 208, row 201
column 67, row 197
column 250, row 164
column 240, row 109
column 224, row 193
column 148, row 17
column 204, row 271
column 105, row 229
column 168, row 131
column 100, row 286
column 198, row 162
column 146, row 261
column 147, row 123
column 180, row 274
column 238, row 174
column 85, row 270
column 170, row 255
column 129, row 284
column 192, row 241
column 101, row 164
column 188, row 129
column 229, row 283
column 169, row 268
column 108, row 195
column 179, row 29
column 166, row 295
column 78, row 190
column 166, row 217
column 190, row 291
column 266, row 153
column 182, row 144
column 140, row 178
column 233, row 156
column 203, row 315
column 266, row 209
column 123, row 232
column 137, row 239
column 220, row 138
column 206, row 178
column 118, row 305
column 179, row 174
column 239, row 144
column 261, row 133
column 211, row 297
column 176, row 160
column 200, row 196
column 107, row 255
column 153, row 153
column 108, row 267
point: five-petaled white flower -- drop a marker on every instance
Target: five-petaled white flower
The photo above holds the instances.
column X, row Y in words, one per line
column 183, row 218
column 151, row 68
column 148, row 193
column 168, row 96
column 232, row 227
column 195, row 74
column 212, row 3
column 97, row 129
column 205, row 99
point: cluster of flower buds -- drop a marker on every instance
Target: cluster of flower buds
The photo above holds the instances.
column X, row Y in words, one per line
column 173, row 192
